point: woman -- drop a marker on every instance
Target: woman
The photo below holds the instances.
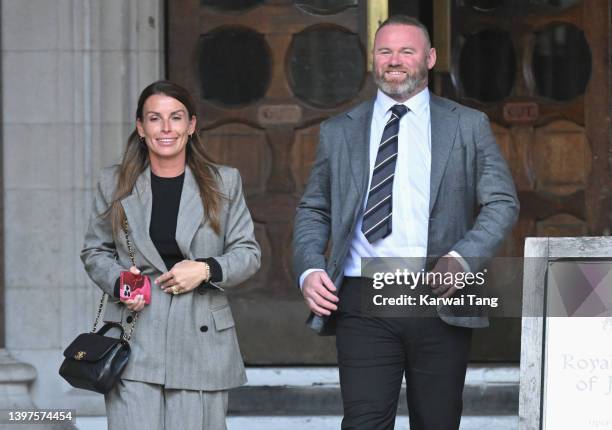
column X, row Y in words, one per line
column 192, row 234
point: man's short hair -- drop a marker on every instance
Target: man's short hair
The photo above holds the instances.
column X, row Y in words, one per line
column 406, row 20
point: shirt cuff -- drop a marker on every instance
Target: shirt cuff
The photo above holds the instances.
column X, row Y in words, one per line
column 306, row 273
column 464, row 264
column 216, row 273
column 116, row 291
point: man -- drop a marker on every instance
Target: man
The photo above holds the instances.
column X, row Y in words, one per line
column 400, row 176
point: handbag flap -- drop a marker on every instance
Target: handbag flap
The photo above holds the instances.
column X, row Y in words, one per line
column 90, row 347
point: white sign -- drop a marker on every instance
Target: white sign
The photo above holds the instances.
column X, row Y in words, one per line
column 578, row 352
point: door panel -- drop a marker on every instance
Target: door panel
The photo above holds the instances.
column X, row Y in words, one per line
column 538, row 68
column 265, row 74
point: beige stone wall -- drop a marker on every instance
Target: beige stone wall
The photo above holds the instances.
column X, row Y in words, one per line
column 71, row 74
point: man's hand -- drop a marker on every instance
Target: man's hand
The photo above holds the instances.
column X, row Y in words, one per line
column 318, row 291
column 446, row 264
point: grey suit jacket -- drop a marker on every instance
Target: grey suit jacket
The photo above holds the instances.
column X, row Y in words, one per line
column 186, row 341
column 467, row 172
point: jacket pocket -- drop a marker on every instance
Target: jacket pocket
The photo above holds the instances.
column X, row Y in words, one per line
column 223, row 318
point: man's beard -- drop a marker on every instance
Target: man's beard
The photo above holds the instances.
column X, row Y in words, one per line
column 405, row 87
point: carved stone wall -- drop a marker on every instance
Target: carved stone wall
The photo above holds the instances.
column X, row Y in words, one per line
column 71, row 74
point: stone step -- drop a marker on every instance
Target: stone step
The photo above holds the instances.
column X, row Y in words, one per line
column 303, row 391
column 321, row 423
column 304, row 398
column 333, row 423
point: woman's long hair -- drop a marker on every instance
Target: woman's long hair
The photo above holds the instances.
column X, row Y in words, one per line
column 136, row 159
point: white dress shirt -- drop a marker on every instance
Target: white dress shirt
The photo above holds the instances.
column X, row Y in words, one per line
column 411, row 186
column 410, row 219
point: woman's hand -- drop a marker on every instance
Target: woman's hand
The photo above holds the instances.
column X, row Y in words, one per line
column 183, row 277
column 138, row 303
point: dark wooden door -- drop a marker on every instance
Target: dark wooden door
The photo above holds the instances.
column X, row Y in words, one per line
column 541, row 70
column 265, row 74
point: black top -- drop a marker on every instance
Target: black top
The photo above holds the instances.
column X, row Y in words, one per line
column 164, row 214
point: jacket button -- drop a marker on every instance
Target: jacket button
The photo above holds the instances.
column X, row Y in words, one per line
column 129, row 319
column 201, row 291
column 204, row 328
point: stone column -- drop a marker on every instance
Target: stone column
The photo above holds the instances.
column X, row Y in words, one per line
column 71, row 74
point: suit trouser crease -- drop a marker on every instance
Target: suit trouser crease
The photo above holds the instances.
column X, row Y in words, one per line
column 132, row 404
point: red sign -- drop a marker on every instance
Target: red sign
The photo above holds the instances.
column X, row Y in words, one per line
column 521, row 112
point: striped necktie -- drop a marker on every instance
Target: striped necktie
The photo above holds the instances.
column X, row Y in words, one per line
column 377, row 215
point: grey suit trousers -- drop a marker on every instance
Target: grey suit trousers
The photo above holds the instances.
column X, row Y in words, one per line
column 139, row 405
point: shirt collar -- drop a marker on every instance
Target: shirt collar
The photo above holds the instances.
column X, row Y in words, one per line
column 418, row 104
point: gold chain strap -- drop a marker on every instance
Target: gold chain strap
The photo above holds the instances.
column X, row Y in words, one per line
column 101, row 305
column 131, row 252
column 126, row 227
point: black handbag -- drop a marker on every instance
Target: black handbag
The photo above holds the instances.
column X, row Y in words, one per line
column 94, row 361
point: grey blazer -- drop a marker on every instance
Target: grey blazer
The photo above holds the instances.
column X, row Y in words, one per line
column 467, row 172
column 186, row 341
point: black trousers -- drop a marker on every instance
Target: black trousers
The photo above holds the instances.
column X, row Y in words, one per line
column 374, row 353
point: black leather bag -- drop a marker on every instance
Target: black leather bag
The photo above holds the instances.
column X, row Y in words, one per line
column 94, row 361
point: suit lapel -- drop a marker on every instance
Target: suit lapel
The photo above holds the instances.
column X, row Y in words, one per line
column 357, row 137
column 443, row 130
column 190, row 213
column 137, row 207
